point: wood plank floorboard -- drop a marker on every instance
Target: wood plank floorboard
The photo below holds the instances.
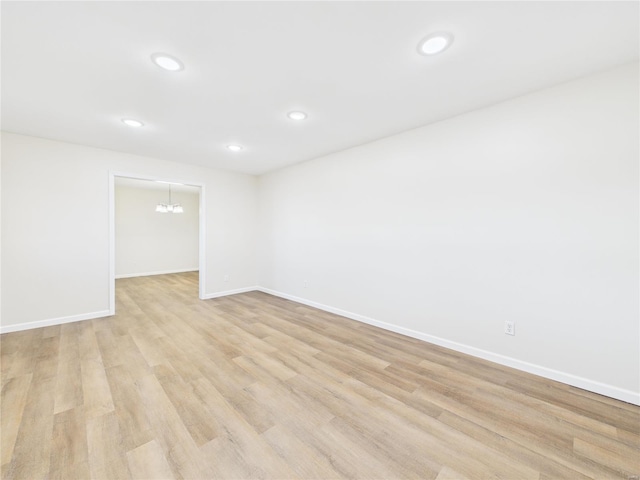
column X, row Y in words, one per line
column 252, row 386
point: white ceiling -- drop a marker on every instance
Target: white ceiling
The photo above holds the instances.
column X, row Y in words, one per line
column 72, row 70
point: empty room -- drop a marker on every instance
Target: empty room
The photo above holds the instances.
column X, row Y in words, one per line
column 320, row 240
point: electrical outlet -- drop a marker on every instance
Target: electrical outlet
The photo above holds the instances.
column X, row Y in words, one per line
column 226, row 278
column 305, row 283
column 510, row 327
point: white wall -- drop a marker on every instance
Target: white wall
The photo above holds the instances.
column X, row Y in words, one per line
column 149, row 242
column 525, row 211
column 55, row 227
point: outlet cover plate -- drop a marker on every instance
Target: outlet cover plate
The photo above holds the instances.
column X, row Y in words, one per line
column 510, row 327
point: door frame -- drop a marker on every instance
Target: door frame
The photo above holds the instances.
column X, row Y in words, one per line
column 112, row 231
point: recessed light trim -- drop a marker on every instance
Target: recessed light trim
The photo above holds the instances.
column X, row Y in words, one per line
column 435, row 43
column 132, row 122
column 297, row 115
column 235, row 147
column 167, row 62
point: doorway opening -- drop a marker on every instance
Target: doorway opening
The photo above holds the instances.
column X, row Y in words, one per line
column 156, row 226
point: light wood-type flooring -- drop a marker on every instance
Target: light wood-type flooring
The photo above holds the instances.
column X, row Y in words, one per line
column 254, row 386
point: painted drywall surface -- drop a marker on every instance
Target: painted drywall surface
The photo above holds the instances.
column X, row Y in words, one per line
column 55, row 225
column 148, row 241
column 524, row 211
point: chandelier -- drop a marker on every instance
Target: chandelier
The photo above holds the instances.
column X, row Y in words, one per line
column 169, row 207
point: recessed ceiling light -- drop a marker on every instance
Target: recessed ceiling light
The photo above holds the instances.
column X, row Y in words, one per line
column 435, row 43
column 235, row 148
column 167, row 62
column 132, row 123
column 297, row 115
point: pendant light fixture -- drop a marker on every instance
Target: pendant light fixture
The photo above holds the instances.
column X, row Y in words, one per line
column 169, row 207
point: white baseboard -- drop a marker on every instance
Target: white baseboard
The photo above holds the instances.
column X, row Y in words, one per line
column 209, row 296
column 54, row 321
column 628, row 396
column 148, row 274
